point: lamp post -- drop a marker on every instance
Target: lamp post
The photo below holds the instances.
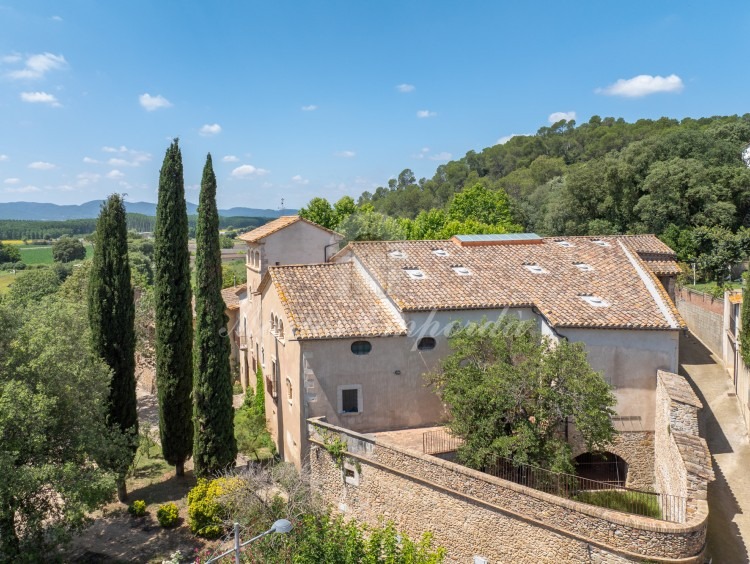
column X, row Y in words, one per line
column 280, row 526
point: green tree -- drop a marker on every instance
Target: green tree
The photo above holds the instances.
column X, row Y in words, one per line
column 68, row 249
column 344, row 208
column 9, row 253
column 53, row 431
column 111, row 310
column 510, row 393
column 214, row 447
column 480, row 204
column 174, row 319
column 32, row 285
column 319, row 210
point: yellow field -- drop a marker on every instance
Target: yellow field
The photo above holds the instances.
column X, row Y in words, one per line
column 11, row 242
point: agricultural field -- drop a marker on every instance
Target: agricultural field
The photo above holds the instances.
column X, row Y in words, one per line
column 42, row 254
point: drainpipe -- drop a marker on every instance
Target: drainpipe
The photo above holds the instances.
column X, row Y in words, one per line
column 325, row 250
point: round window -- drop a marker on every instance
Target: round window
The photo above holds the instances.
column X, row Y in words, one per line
column 361, row 347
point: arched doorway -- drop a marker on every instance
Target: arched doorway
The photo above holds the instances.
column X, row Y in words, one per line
column 602, row 467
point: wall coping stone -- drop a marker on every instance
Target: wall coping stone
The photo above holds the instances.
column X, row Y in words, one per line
column 678, row 389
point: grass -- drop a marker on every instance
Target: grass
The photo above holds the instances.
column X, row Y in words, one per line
column 6, row 278
column 42, row 254
column 637, row 503
column 710, row 288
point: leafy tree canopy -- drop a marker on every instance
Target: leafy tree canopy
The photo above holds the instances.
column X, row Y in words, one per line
column 68, row 249
column 510, row 393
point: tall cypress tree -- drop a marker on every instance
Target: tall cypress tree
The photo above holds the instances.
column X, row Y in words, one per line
column 112, row 318
column 214, row 448
column 174, row 319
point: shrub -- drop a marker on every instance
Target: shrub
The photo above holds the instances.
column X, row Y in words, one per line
column 137, row 508
column 206, row 513
column 167, row 515
column 20, row 266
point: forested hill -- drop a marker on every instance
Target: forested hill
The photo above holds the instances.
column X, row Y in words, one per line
column 602, row 177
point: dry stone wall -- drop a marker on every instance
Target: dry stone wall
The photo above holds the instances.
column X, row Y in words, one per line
column 474, row 514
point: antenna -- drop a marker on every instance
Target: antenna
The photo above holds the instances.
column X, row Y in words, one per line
column 281, row 207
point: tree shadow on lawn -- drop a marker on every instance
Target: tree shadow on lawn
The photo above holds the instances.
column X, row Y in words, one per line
column 172, row 488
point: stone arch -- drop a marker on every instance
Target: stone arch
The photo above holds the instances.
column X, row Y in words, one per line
column 602, row 467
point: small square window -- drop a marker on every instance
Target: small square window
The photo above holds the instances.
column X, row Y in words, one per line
column 350, row 399
column 601, row 243
column 414, row 273
column 566, row 244
column 583, row 267
column 461, row 270
column 440, row 252
column 397, row 254
column 534, row 268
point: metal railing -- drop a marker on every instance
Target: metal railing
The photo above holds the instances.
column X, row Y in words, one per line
column 439, row 442
column 608, row 494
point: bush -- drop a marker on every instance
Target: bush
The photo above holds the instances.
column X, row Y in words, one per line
column 20, row 266
column 206, row 514
column 167, row 515
column 137, row 508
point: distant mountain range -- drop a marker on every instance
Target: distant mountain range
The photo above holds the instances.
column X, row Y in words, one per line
column 51, row 212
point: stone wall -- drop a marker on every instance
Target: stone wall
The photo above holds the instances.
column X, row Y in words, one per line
column 704, row 316
column 474, row 514
column 683, row 467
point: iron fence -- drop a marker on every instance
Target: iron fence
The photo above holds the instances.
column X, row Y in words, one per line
column 610, row 494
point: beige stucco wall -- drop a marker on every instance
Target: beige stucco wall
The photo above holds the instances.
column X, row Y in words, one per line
column 629, row 360
column 739, row 374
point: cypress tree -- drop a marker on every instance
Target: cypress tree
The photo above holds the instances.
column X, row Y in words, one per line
column 214, row 448
column 174, row 319
column 112, row 318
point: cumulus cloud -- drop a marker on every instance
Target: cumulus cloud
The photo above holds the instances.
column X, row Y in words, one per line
column 643, row 85
column 229, row 159
column 345, row 154
column 426, row 114
column 41, row 165
column 36, row 66
column 443, row 156
column 405, row 88
column 89, row 160
column 12, row 181
column 210, row 129
column 244, row 171
column 86, row 178
column 554, row 117
column 309, row 108
column 151, row 103
column 114, row 173
column 4, row 158
column 127, row 157
column 24, row 189
column 40, row 98
column 56, row 18
column 297, row 178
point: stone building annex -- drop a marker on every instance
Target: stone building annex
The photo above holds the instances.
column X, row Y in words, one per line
column 343, row 338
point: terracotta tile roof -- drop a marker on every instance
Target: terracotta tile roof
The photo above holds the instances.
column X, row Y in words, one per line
column 263, row 231
column 646, row 245
column 501, row 276
column 232, row 295
column 324, row 301
column 663, row 267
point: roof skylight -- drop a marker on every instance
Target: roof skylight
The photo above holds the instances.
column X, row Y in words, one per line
column 397, row 254
column 601, row 243
column 461, row 270
column 534, row 268
column 440, row 252
column 566, row 244
column 595, row 301
column 583, row 267
column 414, row 273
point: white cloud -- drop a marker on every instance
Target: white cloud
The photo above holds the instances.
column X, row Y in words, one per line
column 86, row 178
column 151, row 103
column 115, row 174
column 554, row 117
column 41, row 165
column 4, row 158
column 12, row 181
column 643, row 85
column 244, row 171
column 136, row 158
column 56, row 18
column 444, row 156
column 65, row 188
column 10, row 59
column 297, row 178
column 23, row 189
column 229, row 159
column 310, row 108
column 405, row 88
column 345, row 154
column 89, row 160
column 36, row 66
column 426, row 114
column 40, row 98
column 210, row 129
column 193, row 187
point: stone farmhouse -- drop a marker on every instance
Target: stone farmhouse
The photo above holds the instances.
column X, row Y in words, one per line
column 349, row 334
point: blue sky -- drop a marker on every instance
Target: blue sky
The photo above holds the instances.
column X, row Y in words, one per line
column 299, row 99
